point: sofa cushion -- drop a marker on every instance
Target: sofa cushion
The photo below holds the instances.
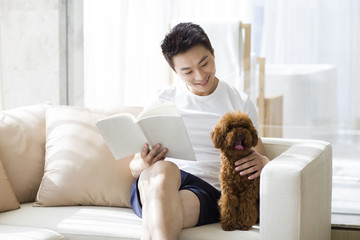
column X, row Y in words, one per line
column 78, row 222
column 8, row 200
column 27, row 233
column 22, row 148
column 79, row 167
column 98, row 222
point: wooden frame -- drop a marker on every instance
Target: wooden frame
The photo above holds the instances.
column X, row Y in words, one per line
column 246, row 27
column 270, row 107
column 261, row 98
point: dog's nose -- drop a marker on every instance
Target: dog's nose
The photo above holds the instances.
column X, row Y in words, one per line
column 240, row 136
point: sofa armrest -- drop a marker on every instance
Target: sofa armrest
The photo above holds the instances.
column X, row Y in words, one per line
column 295, row 190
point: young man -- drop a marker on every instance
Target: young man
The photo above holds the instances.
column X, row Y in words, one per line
column 167, row 198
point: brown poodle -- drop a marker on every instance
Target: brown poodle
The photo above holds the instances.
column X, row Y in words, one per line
column 235, row 135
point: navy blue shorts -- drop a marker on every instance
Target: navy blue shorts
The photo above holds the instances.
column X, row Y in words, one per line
column 207, row 194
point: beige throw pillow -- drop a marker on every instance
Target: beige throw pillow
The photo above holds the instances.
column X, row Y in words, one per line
column 79, row 167
column 22, row 149
column 8, row 200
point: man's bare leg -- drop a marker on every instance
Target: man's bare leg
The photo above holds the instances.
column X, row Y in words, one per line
column 166, row 210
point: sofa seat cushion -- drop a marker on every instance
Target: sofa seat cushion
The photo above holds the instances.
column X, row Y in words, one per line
column 78, row 222
column 215, row 232
column 27, row 233
column 97, row 222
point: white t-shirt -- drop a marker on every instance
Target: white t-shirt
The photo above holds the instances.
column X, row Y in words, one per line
column 200, row 114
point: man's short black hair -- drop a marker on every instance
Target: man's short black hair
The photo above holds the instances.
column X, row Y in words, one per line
column 183, row 37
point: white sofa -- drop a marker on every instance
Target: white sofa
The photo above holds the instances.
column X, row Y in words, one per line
column 50, row 158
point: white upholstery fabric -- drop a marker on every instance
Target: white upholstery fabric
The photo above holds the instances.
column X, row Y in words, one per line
column 95, row 223
column 78, row 222
column 79, row 167
column 8, row 199
column 295, row 191
column 215, row 232
column 22, row 151
column 27, row 233
column 295, row 200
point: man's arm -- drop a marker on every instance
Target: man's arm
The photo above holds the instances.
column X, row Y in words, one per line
column 253, row 164
column 260, row 147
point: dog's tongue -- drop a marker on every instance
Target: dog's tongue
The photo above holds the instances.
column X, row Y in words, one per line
column 238, row 145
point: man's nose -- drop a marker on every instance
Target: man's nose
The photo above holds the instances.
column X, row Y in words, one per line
column 199, row 75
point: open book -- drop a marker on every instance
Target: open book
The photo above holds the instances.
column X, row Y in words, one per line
column 126, row 135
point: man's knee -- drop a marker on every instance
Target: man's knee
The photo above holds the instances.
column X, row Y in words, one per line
column 161, row 174
column 161, row 169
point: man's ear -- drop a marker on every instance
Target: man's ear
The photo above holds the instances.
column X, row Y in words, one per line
column 213, row 52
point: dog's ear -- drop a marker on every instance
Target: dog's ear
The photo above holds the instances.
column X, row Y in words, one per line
column 218, row 135
column 254, row 135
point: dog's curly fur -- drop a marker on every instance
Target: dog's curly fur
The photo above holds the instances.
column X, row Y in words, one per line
column 239, row 202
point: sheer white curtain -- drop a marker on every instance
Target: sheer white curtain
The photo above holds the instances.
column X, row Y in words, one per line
column 123, row 62
column 317, row 32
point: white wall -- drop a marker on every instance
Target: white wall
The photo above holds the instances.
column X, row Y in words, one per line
column 75, row 57
column 30, row 52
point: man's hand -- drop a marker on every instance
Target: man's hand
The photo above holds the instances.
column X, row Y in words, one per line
column 152, row 156
column 146, row 158
column 252, row 164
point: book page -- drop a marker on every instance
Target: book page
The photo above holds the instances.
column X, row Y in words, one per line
column 171, row 133
column 163, row 109
column 123, row 136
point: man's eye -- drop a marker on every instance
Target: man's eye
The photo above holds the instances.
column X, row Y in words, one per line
column 204, row 64
column 187, row 73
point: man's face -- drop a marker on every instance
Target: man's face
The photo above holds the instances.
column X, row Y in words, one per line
column 196, row 67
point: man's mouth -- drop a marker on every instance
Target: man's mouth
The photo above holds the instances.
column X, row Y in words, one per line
column 203, row 83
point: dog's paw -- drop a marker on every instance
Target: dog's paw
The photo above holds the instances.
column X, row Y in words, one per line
column 226, row 227
column 244, row 228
